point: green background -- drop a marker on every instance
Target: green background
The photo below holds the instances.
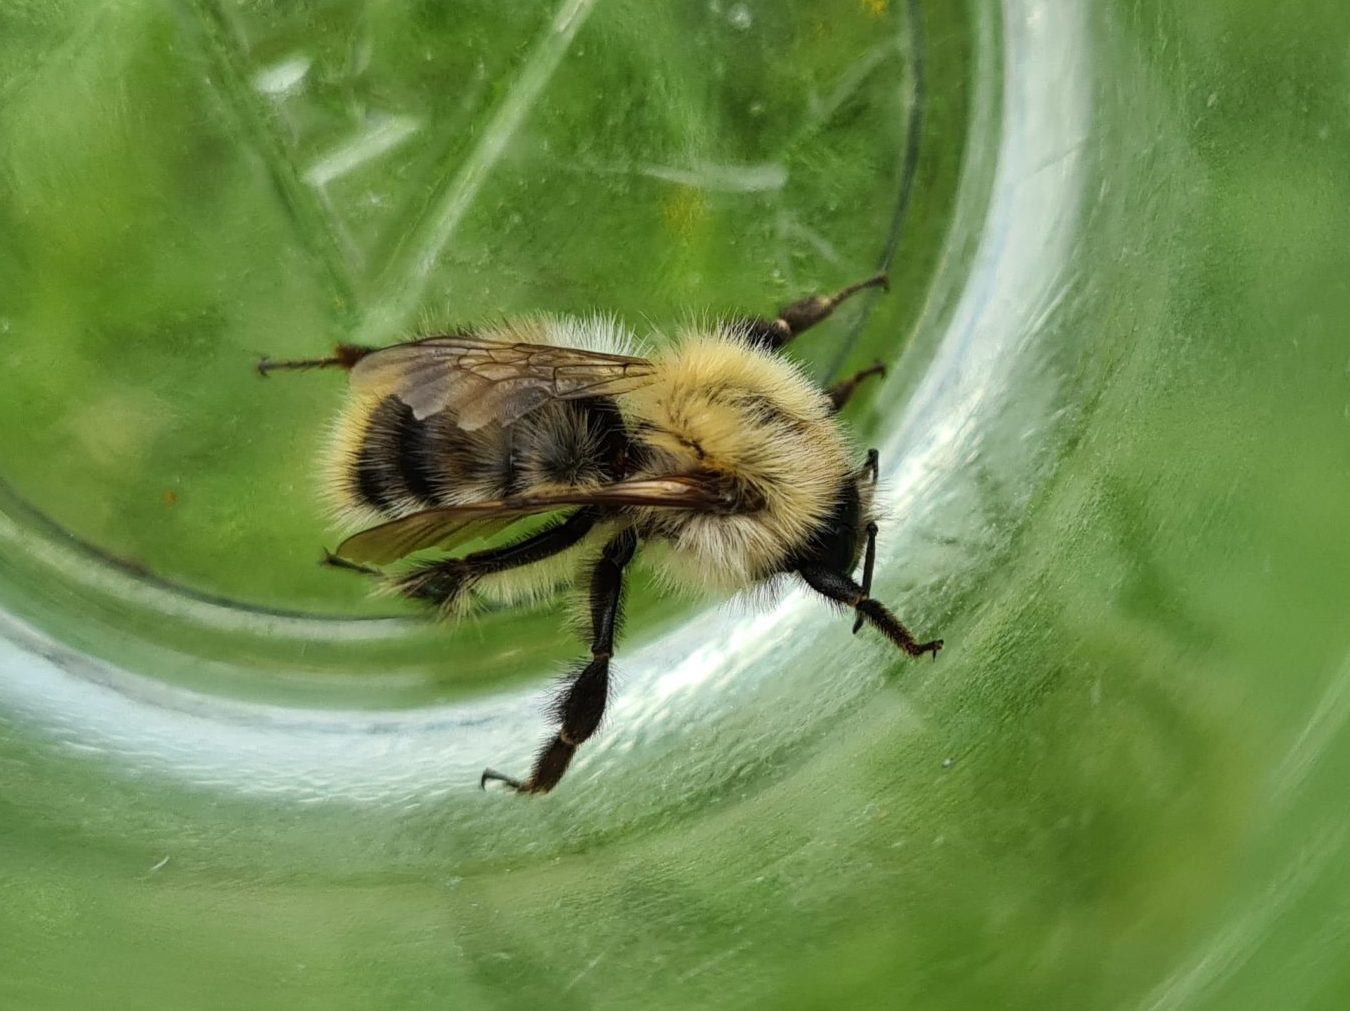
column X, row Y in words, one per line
column 1116, row 437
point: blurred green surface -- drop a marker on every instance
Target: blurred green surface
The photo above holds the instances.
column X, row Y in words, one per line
column 1117, row 430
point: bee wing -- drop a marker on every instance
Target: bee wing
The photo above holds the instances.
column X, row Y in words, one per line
column 452, row 525
column 484, row 380
column 391, row 541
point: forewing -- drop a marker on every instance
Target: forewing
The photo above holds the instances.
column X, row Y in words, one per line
column 484, row 380
column 391, row 541
column 450, row 526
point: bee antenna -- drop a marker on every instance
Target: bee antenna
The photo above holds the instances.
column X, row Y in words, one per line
column 336, row 561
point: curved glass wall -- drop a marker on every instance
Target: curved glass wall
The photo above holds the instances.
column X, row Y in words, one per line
column 1114, row 448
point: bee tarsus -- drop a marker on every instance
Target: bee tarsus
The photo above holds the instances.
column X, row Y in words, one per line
column 493, row 776
column 840, row 587
column 842, row 392
column 795, row 319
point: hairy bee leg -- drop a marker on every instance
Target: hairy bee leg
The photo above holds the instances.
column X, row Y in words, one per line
column 344, row 356
column 802, row 315
column 842, row 391
column 441, row 583
column 583, row 704
column 838, row 586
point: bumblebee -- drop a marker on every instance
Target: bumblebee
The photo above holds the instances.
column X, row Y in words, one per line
column 715, row 454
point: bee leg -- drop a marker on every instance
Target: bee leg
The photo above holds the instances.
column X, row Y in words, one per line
column 842, row 391
column 802, row 315
column 344, row 356
column 872, row 466
column 582, row 705
column 869, row 562
column 493, row 776
column 445, row 582
column 838, row 586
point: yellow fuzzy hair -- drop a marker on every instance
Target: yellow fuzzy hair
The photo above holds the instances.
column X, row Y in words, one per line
column 703, row 412
column 345, row 511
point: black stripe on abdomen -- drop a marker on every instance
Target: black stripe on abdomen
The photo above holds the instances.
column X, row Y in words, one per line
column 414, row 456
column 396, row 461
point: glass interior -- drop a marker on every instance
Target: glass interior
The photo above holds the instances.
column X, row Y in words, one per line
column 1113, row 439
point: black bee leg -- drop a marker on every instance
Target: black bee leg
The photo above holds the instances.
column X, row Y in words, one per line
column 839, row 587
column 872, row 466
column 493, row 776
column 444, row 583
column 581, row 706
column 842, row 391
column 344, row 357
column 800, row 316
column 869, row 562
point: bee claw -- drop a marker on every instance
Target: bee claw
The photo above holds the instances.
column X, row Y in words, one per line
column 263, row 366
column 500, row 777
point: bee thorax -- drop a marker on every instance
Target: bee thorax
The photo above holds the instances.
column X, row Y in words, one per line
column 719, row 405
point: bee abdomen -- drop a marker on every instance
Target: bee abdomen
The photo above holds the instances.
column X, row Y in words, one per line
column 391, row 463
